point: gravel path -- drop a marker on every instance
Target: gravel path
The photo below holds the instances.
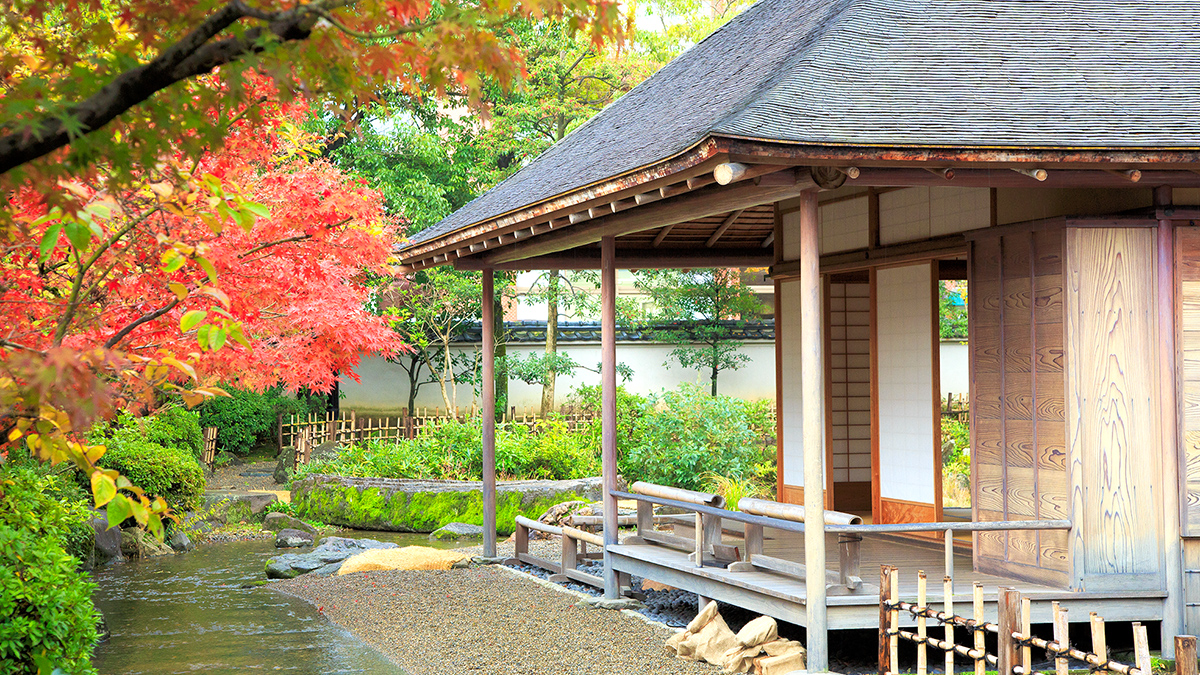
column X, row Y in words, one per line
column 488, row 620
column 230, row 477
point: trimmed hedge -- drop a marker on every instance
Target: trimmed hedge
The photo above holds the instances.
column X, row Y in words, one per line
column 170, row 473
column 49, row 619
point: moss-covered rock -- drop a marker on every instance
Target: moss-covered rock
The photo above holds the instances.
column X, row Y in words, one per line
column 424, row 506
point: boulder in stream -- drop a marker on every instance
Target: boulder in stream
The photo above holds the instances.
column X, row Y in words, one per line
column 138, row 543
column 289, row 538
column 280, row 521
column 324, row 560
column 456, row 530
column 106, row 545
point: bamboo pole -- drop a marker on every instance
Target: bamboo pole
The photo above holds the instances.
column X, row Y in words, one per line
column 1008, row 607
column 885, row 613
column 1099, row 642
column 894, row 621
column 1141, row 648
column 1027, row 631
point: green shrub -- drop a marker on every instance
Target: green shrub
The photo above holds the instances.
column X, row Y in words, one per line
column 49, row 619
column 170, row 473
column 688, row 433
column 245, row 419
column 175, row 427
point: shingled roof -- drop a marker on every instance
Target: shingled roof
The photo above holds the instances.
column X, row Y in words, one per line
column 1052, row 74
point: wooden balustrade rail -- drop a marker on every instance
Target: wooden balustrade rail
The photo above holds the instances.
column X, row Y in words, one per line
column 1015, row 640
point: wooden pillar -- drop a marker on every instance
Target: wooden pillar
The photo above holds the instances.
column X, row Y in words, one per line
column 608, row 404
column 489, row 416
column 812, row 378
column 1172, row 623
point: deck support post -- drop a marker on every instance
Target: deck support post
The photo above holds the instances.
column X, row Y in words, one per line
column 812, row 378
column 489, row 416
column 1172, row 623
column 608, row 405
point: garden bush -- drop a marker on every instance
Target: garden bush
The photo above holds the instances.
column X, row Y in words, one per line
column 245, row 419
column 49, row 619
column 170, row 473
column 687, row 434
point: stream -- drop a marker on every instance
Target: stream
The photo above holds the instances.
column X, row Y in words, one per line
column 188, row 613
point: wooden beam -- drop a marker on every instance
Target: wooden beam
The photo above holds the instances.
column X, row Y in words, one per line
column 662, row 234
column 634, row 259
column 729, row 221
column 608, row 405
column 489, row 415
column 702, row 203
column 769, row 240
column 1168, row 384
column 812, row 379
column 1064, row 178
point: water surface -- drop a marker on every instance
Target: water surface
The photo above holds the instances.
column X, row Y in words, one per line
column 188, row 614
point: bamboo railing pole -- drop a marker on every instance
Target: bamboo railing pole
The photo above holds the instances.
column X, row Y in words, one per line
column 922, row 629
column 1061, row 636
column 885, row 613
column 977, row 589
column 948, row 608
column 699, row 540
column 894, row 621
column 949, row 553
column 1026, row 633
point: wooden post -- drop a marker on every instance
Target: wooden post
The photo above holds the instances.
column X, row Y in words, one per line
column 1061, row 636
column 1185, row 655
column 894, row 620
column 1008, row 606
column 949, row 562
column 754, row 541
column 1172, row 621
column 1141, row 648
column 849, row 554
column 279, row 430
column 980, row 643
column 1026, row 632
column 608, row 407
column 885, row 626
column 1099, row 639
column 948, row 608
column 812, row 377
column 645, row 517
column 922, row 628
column 700, row 532
column 489, row 416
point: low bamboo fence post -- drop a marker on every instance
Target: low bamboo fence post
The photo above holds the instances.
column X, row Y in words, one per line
column 1061, row 637
column 977, row 628
column 885, row 622
column 948, row 608
column 922, row 634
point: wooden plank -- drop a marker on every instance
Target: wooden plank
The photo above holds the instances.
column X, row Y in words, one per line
column 1111, row 305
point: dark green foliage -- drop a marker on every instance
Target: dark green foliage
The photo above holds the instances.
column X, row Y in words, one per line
column 174, row 427
column 952, row 310
column 687, row 435
column 49, row 620
column 245, row 419
column 170, row 473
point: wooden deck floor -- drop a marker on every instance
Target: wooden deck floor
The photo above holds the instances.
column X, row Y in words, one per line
column 783, row 597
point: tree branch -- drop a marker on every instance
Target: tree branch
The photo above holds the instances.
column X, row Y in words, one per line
column 193, row 55
column 145, row 318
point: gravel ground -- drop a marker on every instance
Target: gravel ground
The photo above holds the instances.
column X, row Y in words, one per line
column 488, row 620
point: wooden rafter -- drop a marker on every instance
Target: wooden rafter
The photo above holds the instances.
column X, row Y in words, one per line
column 730, row 220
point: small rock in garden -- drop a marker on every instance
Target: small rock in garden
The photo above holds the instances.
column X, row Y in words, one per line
column 138, row 543
column 456, row 530
column 461, row 564
column 107, row 541
column 283, row 469
column 559, row 513
column 179, row 541
column 618, row 603
column 485, row 560
column 281, row 521
column 324, row 560
column 328, row 449
column 289, row 538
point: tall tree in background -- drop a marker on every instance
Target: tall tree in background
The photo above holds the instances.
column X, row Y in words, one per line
column 682, row 23
column 700, row 311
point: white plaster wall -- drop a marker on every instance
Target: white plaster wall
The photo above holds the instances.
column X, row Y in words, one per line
column 844, row 225
column 904, row 340
column 787, row 331
column 955, row 368
column 384, row 385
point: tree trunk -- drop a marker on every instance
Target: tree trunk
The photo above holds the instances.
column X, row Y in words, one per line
column 551, row 341
column 714, row 381
column 414, row 375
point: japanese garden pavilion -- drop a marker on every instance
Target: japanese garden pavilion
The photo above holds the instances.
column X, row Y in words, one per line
column 1046, row 150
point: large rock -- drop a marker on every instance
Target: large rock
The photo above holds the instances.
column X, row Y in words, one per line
column 425, row 505
column 324, row 560
column 106, row 544
column 281, row 521
column 456, row 531
column 138, row 543
column 232, row 506
column 179, row 541
column 283, row 469
column 288, row 538
column 326, row 450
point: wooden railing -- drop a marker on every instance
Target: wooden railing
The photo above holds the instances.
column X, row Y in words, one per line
column 573, row 539
column 850, row 530
column 210, row 446
column 1015, row 640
